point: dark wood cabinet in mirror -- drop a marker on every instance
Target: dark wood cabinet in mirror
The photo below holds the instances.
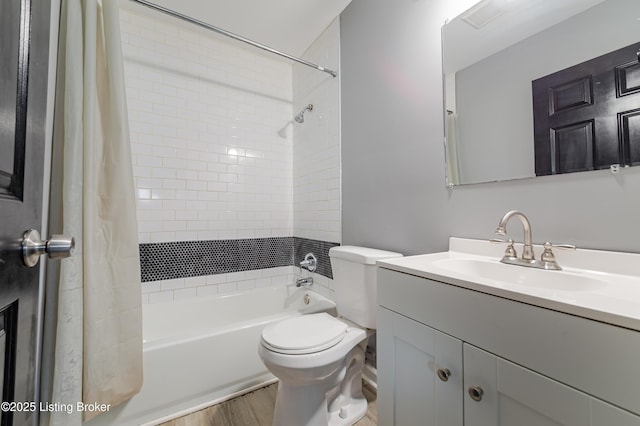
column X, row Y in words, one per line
column 587, row 117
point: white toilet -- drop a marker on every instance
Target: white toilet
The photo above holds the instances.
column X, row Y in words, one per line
column 319, row 358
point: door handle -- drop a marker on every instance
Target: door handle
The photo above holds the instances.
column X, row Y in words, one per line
column 56, row 247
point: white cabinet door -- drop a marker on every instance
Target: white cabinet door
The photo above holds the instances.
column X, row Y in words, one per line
column 498, row 392
column 419, row 374
column 511, row 395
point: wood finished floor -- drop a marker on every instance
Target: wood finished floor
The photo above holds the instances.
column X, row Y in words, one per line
column 256, row 408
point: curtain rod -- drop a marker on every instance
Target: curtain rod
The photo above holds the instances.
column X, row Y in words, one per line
column 233, row 36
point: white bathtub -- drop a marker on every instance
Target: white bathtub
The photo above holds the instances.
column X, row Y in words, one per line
column 203, row 351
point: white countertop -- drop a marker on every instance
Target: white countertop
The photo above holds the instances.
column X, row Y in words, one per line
column 599, row 285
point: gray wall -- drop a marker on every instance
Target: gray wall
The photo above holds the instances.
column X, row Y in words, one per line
column 394, row 196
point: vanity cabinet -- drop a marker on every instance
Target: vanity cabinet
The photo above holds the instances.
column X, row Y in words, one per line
column 510, row 363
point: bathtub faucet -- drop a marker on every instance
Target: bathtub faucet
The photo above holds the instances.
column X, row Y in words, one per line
column 310, row 263
column 306, row 282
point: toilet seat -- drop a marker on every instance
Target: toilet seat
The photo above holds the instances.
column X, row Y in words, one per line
column 304, row 334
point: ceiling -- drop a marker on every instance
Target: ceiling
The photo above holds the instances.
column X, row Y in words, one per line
column 464, row 44
column 286, row 25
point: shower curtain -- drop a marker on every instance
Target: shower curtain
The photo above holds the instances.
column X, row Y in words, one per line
column 453, row 165
column 98, row 349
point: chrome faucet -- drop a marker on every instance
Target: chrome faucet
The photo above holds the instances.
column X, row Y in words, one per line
column 527, row 250
column 310, row 263
column 304, row 282
column 547, row 259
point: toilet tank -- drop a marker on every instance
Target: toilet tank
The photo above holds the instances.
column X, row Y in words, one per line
column 355, row 282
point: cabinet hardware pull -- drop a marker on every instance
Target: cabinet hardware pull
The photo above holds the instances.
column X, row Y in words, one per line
column 444, row 374
column 476, row 392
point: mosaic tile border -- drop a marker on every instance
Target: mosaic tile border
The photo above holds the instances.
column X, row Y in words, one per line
column 183, row 259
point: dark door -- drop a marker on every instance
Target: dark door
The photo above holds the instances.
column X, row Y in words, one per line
column 587, row 117
column 24, row 45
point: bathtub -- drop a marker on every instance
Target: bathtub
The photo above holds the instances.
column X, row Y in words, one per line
column 203, row 351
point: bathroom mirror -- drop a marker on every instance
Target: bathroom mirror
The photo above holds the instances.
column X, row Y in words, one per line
column 492, row 54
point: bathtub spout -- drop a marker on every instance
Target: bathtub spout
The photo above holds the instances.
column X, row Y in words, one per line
column 306, row 282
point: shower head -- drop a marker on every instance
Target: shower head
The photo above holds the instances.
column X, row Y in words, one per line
column 300, row 117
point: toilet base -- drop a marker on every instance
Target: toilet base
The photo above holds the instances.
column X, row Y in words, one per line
column 356, row 410
column 342, row 405
column 300, row 406
column 308, row 406
column 348, row 404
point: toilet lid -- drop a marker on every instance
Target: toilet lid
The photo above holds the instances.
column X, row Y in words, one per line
column 304, row 334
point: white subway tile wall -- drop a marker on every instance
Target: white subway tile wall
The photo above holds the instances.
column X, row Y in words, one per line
column 316, row 148
column 211, row 285
column 212, row 145
column 204, row 115
column 316, row 143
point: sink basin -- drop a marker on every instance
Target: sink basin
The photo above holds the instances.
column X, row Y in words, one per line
column 596, row 284
column 519, row 275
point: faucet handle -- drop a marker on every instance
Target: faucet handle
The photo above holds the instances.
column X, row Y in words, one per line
column 547, row 254
column 560, row 246
column 510, row 251
column 309, row 263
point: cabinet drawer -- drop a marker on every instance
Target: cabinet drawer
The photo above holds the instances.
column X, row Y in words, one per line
column 599, row 359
